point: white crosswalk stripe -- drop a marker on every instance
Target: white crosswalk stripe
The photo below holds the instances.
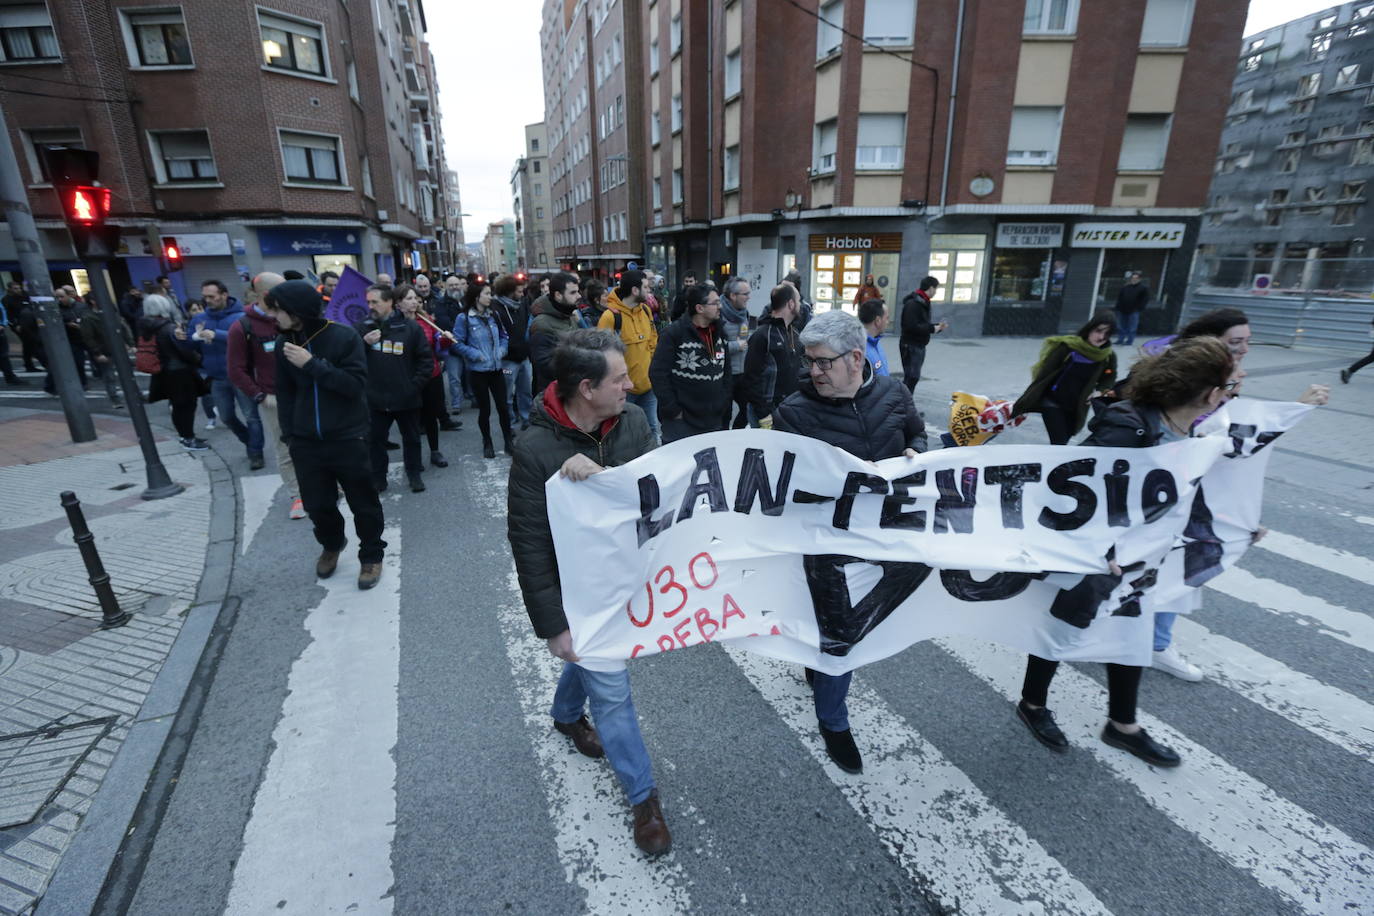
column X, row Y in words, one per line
column 1341, row 562
column 1348, row 626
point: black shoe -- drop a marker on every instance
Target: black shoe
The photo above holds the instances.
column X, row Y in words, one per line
column 256, row 462
column 417, row 483
column 1142, row 745
column 810, row 677
column 488, row 451
column 510, row 447
column 1041, row 725
column 380, row 484
column 438, row 460
column 1345, row 377
column 392, row 446
column 842, row 749
column 449, row 426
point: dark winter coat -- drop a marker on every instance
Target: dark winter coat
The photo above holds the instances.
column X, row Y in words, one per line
column 692, row 383
column 1132, row 298
column 398, row 365
column 515, row 319
column 1101, row 379
column 917, row 325
column 548, row 328
column 539, row 452
column 772, row 364
column 178, row 382
column 1126, row 425
column 445, row 310
column 93, row 333
column 324, row 399
column 215, row 353
column 880, row 421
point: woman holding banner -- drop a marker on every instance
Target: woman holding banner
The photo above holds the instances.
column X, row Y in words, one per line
column 1167, row 394
column 1071, row 367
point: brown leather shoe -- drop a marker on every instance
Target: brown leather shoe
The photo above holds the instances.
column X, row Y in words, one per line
column 369, row 575
column 326, row 564
column 651, row 831
column 583, row 736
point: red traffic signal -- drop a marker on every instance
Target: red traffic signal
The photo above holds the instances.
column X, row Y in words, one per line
column 85, row 206
column 171, row 253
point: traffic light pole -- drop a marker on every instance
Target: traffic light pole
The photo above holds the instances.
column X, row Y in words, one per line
column 57, row 353
column 160, row 484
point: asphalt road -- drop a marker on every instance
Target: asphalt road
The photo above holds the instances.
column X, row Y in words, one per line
column 394, row 754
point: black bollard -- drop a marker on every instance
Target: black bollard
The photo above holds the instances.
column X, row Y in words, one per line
column 112, row 616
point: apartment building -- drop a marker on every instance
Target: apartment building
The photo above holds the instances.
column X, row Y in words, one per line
column 1027, row 153
column 1297, row 157
column 285, row 134
column 593, row 102
column 456, row 243
column 500, row 248
column 529, row 185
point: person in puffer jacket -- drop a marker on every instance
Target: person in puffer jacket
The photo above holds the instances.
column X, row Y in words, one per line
column 870, row 416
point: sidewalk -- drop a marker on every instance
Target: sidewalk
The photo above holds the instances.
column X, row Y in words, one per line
column 71, row 695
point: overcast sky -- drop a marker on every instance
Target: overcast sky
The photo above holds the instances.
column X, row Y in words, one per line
column 490, row 87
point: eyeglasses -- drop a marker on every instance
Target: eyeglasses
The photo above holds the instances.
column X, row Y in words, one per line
column 1231, row 385
column 822, row 363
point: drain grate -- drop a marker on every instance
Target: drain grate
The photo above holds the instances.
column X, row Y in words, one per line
column 35, row 765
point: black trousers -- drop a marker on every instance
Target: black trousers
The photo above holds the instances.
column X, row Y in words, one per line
column 913, row 359
column 5, row 368
column 408, row 422
column 1361, row 363
column 1059, row 421
column 739, row 396
column 33, row 350
column 432, row 408
column 324, row 468
column 1123, row 686
column 184, row 418
column 490, row 387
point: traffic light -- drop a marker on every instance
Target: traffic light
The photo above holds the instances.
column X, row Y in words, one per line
column 85, row 204
column 171, row 253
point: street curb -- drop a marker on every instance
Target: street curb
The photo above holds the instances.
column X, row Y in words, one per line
column 94, row 873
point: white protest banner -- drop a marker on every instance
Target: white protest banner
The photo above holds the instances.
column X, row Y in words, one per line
column 832, row 562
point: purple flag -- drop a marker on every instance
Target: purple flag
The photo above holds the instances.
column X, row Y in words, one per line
column 348, row 305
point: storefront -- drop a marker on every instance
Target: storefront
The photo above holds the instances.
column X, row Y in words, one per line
column 841, row 261
column 311, row 248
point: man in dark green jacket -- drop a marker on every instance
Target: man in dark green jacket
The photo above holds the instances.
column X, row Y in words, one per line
column 579, row 427
column 93, row 338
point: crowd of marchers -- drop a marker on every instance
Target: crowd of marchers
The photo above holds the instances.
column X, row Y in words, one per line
column 582, row 377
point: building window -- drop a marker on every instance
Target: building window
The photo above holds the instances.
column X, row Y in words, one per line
column 1364, row 145
column 1326, row 22
column 537, row 166
column 1313, row 199
column 156, row 37
column 1252, row 63
column 289, row 44
column 658, row 194
column 881, row 139
column 677, row 113
column 1167, row 23
column 675, row 35
column 366, row 169
column 1348, row 211
column 1242, row 101
column 353, row 92
column 1347, row 76
column 1020, row 274
column 826, row 133
column 1219, row 205
column 538, row 212
column 1320, row 47
column 1034, row 136
column 653, row 56
column 26, row 34
column 731, row 168
column 1144, row 142
column 654, row 129
column 677, row 186
column 889, row 22
column 312, row 158
column 48, row 136
column 732, row 74
column 184, row 156
column 828, row 27
column 538, row 189
column 534, row 144
column 1308, row 86
column 1278, row 199
column 1050, row 17
column 1294, row 138
column 1288, row 162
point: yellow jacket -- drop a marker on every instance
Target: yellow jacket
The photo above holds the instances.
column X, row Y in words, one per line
column 638, row 333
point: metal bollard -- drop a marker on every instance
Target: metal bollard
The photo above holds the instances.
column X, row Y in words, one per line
column 112, row 616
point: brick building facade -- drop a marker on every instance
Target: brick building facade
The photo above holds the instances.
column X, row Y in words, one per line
column 1029, row 153
column 292, row 134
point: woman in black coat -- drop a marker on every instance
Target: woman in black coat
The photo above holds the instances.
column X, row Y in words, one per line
column 177, row 380
column 1071, row 367
column 1167, row 394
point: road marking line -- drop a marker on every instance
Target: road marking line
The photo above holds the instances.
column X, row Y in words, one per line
column 930, row 817
column 587, row 807
column 1331, row 559
column 258, row 492
column 1348, row 626
column 1329, row 713
column 319, row 837
column 1283, row 846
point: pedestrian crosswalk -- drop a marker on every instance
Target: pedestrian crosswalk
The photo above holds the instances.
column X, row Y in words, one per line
column 964, row 841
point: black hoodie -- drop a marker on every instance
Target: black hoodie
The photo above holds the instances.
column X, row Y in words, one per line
column 515, row 318
column 324, row 399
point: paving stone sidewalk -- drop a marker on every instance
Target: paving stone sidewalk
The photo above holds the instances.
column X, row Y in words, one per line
column 69, row 691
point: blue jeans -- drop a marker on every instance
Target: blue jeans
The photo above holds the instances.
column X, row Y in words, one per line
column 613, row 714
column 519, row 378
column 830, row 691
column 226, row 396
column 647, row 402
column 1126, row 323
column 1164, row 631
column 453, row 372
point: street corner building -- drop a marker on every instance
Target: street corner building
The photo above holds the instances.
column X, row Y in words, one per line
column 258, row 136
column 1029, row 155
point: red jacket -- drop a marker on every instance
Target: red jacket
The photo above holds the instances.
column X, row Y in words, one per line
column 437, row 344
column 253, row 369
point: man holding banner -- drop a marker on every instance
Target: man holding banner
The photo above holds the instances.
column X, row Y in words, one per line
column 872, row 417
column 579, row 427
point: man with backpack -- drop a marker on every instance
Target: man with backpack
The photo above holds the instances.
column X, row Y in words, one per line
column 628, row 315
column 252, row 367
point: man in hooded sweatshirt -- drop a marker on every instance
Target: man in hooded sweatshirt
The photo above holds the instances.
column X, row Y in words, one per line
column 628, row 316
column 555, row 315
column 322, row 409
